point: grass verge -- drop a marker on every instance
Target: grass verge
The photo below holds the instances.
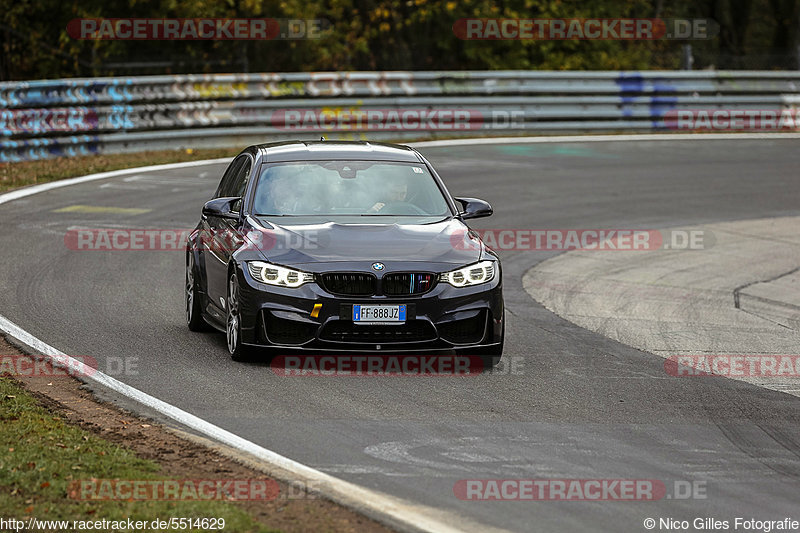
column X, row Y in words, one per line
column 41, row 455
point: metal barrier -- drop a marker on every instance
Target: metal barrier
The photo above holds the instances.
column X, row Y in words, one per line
column 51, row 118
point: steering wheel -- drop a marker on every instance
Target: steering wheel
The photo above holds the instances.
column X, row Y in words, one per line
column 405, row 208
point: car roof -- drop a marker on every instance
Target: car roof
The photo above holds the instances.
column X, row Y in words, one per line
column 327, row 150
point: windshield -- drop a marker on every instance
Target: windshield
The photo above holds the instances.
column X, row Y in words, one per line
column 361, row 188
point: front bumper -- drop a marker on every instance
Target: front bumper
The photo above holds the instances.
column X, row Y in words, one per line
column 444, row 319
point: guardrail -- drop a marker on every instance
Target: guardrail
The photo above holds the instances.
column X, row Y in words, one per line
column 51, row 118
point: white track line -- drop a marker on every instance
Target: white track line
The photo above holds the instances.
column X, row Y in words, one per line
column 390, row 510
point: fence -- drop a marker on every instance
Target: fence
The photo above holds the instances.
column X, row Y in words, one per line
column 51, row 118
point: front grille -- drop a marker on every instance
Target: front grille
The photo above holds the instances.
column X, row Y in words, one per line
column 347, row 331
column 406, row 283
column 284, row 331
column 349, row 283
column 465, row 331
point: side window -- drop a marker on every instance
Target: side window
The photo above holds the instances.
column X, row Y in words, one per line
column 239, row 183
column 232, row 171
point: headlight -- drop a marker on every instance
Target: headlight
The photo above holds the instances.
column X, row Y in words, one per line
column 476, row 274
column 278, row 275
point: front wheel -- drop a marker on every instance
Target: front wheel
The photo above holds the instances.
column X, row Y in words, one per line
column 194, row 312
column 233, row 328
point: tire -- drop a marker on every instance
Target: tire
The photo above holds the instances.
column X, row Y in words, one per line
column 194, row 311
column 233, row 323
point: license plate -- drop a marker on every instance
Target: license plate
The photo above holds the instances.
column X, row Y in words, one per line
column 378, row 314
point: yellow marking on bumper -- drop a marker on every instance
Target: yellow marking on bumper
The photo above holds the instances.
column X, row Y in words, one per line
column 315, row 312
column 101, row 209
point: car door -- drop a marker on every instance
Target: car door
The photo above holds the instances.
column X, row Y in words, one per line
column 221, row 234
column 230, row 237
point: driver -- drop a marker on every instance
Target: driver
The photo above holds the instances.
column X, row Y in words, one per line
column 397, row 191
column 296, row 194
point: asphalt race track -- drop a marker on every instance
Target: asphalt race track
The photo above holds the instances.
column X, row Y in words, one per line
column 578, row 406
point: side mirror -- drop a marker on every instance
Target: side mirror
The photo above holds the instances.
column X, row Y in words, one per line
column 221, row 207
column 474, row 208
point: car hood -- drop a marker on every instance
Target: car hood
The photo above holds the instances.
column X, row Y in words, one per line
column 447, row 242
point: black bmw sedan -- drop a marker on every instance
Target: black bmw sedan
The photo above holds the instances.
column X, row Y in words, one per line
column 342, row 247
